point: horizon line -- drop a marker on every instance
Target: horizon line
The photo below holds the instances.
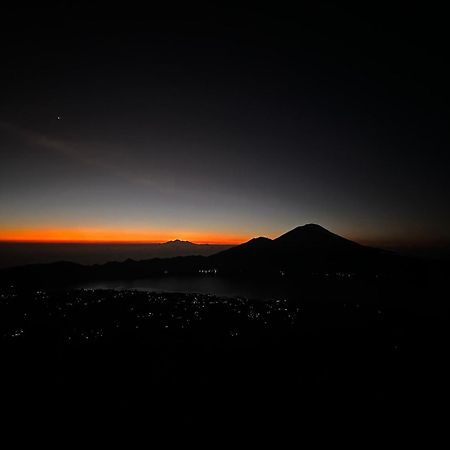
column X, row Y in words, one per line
column 379, row 244
column 112, row 235
column 121, row 242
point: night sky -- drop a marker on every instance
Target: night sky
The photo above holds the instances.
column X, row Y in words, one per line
column 220, row 125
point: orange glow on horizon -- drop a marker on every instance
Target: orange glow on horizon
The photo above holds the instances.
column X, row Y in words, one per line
column 116, row 236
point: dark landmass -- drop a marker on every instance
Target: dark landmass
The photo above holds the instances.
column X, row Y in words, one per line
column 308, row 251
column 339, row 353
column 23, row 253
column 361, row 333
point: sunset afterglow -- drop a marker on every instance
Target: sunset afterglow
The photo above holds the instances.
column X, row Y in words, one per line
column 217, row 142
column 115, row 235
column 224, row 218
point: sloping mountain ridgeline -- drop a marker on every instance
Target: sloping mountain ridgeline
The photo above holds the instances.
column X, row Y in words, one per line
column 308, row 250
column 13, row 254
column 305, row 248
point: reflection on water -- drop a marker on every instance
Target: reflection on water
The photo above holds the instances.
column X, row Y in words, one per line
column 220, row 286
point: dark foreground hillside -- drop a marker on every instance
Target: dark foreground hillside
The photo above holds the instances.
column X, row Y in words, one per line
column 200, row 360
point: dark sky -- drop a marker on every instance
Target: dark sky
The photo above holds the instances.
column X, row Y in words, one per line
column 222, row 124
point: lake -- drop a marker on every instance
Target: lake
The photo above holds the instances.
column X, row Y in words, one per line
column 214, row 285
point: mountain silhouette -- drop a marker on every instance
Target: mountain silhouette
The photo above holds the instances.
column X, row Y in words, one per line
column 305, row 250
column 307, row 247
column 178, row 242
column 315, row 237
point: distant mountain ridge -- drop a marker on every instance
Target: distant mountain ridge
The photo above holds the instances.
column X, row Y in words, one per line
column 19, row 254
column 188, row 244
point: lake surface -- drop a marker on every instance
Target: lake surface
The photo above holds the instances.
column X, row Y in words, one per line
column 214, row 285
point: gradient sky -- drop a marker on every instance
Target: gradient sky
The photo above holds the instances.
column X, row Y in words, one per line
column 224, row 125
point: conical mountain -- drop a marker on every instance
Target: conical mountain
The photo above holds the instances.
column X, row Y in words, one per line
column 315, row 237
column 305, row 247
